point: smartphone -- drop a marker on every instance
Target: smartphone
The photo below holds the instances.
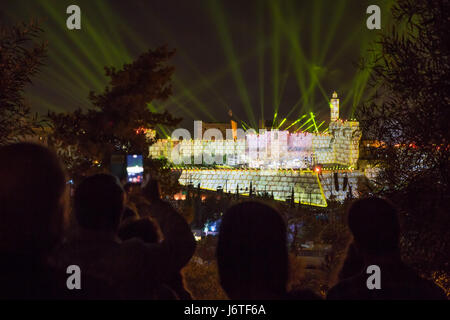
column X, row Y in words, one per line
column 135, row 168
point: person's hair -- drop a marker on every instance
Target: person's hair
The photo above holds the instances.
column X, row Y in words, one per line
column 32, row 202
column 251, row 251
column 374, row 225
column 99, row 202
column 144, row 229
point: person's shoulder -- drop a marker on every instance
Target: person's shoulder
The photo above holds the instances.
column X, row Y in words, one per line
column 428, row 290
column 162, row 205
column 303, row 294
column 136, row 243
column 92, row 288
column 421, row 288
column 336, row 292
column 347, row 289
column 408, row 286
column 138, row 248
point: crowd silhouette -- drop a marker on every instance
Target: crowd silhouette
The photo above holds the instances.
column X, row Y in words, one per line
column 129, row 252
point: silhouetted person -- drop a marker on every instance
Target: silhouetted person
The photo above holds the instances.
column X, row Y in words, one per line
column 99, row 203
column 147, row 230
column 33, row 200
column 32, row 206
column 151, row 192
column 138, row 270
column 375, row 228
column 353, row 263
column 130, row 210
column 252, row 254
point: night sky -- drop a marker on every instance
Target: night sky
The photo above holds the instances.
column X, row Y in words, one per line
column 253, row 57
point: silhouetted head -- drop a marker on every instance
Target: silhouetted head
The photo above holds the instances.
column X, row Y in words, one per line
column 32, row 199
column 144, row 229
column 99, row 202
column 251, row 252
column 374, row 225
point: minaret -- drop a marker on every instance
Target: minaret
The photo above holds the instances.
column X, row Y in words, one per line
column 334, row 106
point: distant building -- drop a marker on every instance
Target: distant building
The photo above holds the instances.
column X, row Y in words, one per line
column 271, row 148
column 276, row 161
column 221, row 126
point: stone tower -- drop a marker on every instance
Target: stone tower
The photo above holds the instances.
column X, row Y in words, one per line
column 334, row 107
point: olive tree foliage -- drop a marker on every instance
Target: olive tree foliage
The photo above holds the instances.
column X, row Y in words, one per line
column 409, row 119
column 118, row 118
column 21, row 57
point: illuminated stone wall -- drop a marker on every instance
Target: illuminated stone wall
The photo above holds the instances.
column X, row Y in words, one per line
column 273, row 149
column 323, row 148
column 307, row 188
column 328, row 182
column 270, row 153
column 346, row 141
column 161, row 149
